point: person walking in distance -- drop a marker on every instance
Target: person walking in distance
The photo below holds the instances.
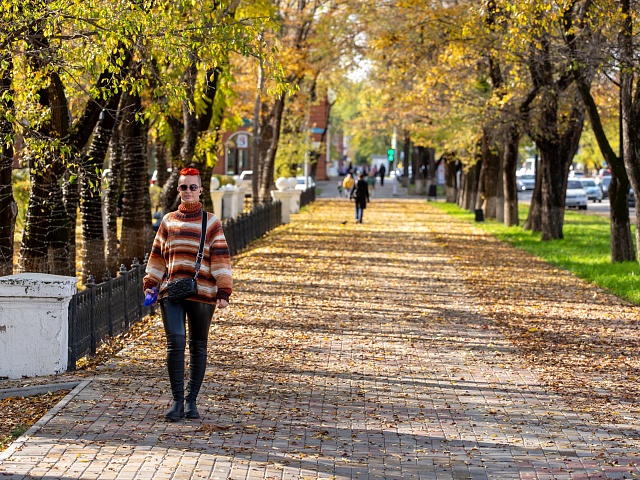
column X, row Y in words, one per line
column 381, row 171
column 178, row 243
column 347, row 184
column 360, row 194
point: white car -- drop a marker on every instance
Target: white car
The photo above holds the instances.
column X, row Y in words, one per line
column 244, row 180
column 526, row 182
column 594, row 192
column 576, row 196
column 300, row 185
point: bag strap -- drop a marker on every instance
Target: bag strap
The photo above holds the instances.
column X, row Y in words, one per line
column 203, row 233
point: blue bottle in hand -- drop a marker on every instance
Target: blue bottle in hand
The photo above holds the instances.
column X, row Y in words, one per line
column 150, row 298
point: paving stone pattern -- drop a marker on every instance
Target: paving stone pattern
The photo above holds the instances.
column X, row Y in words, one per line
column 351, row 352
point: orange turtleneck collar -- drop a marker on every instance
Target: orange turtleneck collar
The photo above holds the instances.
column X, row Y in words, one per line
column 192, row 207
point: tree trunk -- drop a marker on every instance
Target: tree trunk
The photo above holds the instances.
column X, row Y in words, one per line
column 135, row 217
column 451, row 180
column 406, row 150
column 534, row 219
column 93, row 239
column 473, row 186
column 189, row 116
column 491, row 176
column 469, row 187
column 511, row 140
column 195, row 124
column 500, row 194
column 270, row 135
column 554, row 181
column 71, row 200
column 161, row 164
column 8, row 205
column 622, row 247
column 630, row 112
column 418, row 156
column 558, row 143
column 45, row 244
column 479, row 196
column 621, row 239
column 169, row 198
column 111, row 195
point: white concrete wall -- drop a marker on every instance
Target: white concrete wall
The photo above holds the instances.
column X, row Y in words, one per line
column 34, row 323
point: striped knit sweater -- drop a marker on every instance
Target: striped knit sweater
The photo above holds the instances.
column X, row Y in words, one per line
column 174, row 251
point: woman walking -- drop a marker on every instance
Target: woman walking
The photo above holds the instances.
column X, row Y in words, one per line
column 182, row 250
column 360, row 194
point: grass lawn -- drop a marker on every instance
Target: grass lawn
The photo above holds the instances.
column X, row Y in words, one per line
column 585, row 249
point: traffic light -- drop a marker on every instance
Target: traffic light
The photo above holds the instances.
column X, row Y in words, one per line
column 390, row 154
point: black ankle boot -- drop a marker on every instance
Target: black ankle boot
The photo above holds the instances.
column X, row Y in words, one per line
column 197, row 368
column 175, row 366
column 176, row 412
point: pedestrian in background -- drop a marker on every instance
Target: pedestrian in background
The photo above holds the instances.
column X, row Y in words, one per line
column 381, row 171
column 173, row 256
column 347, row 184
column 371, row 183
column 360, row 194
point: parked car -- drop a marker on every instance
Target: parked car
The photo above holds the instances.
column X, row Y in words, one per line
column 631, row 201
column 576, row 196
column 594, row 192
column 300, row 185
column 526, row 182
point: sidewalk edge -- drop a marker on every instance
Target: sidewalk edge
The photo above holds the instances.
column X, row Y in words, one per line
column 20, row 441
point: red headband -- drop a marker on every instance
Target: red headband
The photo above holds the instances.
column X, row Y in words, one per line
column 189, row 171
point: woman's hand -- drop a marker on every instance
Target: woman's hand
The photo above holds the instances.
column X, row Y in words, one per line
column 221, row 303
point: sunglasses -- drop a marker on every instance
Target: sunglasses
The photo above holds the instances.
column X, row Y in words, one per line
column 193, row 187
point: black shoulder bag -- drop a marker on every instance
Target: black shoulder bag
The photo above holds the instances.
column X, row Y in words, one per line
column 188, row 287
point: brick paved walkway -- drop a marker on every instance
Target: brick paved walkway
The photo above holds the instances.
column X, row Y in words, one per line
column 351, row 351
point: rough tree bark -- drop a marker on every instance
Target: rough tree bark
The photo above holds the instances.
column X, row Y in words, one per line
column 93, row 239
column 8, row 205
column 450, row 178
column 511, row 140
column 556, row 153
column 490, row 178
column 556, row 135
column 194, row 124
column 630, row 112
column 534, row 219
column 270, row 134
column 135, row 217
column 45, row 244
column 111, row 193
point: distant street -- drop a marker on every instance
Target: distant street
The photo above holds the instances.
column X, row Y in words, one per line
column 601, row 208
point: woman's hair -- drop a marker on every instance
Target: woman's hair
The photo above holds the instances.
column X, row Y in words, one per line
column 191, row 171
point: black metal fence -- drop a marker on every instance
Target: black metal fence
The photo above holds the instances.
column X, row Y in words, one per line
column 308, row 196
column 244, row 229
column 111, row 307
column 104, row 310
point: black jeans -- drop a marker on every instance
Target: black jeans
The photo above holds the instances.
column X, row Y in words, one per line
column 175, row 315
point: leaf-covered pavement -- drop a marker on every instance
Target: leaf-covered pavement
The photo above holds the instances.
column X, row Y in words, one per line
column 405, row 347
